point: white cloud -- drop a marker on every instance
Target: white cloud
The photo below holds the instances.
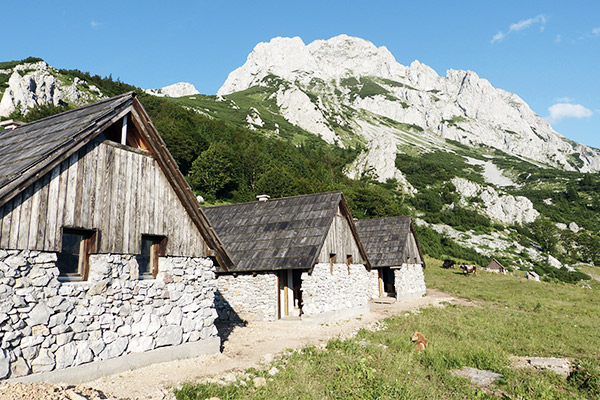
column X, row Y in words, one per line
column 560, row 111
column 498, row 36
column 521, row 25
column 563, row 99
column 95, row 24
column 593, row 34
column 557, row 39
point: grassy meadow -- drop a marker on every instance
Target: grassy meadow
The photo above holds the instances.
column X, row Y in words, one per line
column 510, row 316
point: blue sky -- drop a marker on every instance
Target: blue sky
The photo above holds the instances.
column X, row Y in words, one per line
column 546, row 52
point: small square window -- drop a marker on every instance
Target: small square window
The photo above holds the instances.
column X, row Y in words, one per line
column 152, row 248
column 73, row 258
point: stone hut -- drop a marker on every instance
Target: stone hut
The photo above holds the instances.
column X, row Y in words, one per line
column 495, row 266
column 395, row 255
column 293, row 257
column 106, row 260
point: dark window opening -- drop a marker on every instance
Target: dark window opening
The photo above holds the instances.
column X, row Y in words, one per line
column 133, row 138
column 73, row 259
column 331, row 261
column 153, row 247
column 348, row 262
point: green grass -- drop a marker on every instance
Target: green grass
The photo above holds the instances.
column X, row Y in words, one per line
column 511, row 316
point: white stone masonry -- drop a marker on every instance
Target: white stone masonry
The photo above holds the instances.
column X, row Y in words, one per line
column 409, row 282
column 48, row 325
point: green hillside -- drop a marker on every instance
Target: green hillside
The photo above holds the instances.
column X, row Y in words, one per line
column 506, row 317
column 225, row 161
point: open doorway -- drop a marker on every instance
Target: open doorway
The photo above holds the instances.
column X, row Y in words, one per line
column 290, row 293
column 386, row 282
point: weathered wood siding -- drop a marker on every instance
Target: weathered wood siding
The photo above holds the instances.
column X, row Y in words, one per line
column 340, row 241
column 121, row 192
column 412, row 250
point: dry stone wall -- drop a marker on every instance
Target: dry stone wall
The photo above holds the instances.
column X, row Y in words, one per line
column 374, row 283
column 48, row 325
column 247, row 297
column 409, row 282
column 336, row 294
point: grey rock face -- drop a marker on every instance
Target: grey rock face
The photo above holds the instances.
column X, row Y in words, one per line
column 169, row 335
column 44, row 362
column 477, row 377
column 39, row 315
column 65, row 355
column 4, row 364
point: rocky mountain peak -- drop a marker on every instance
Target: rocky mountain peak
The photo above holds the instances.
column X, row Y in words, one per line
column 37, row 83
column 179, row 89
column 347, row 86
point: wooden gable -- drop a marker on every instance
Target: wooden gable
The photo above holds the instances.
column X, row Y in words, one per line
column 340, row 241
column 120, row 191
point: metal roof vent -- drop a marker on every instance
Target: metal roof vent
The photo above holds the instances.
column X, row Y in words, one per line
column 263, row 197
column 11, row 124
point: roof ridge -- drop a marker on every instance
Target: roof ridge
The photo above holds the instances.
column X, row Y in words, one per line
column 130, row 93
column 384, row 218
column 276, row 199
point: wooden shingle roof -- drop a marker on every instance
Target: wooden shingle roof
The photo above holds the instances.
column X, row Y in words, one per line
column 32, row 150
column 285, row 233
column 385, row 240
column 28, row 150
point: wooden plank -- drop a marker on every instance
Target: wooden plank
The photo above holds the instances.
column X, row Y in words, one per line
column 128, row 216
column 158, row 191
column 6, row 220
column 15, row 222
column 69, row 210
column 116, row 230
column 43, row 222
column 97, row 205
column 79, row 189
column 60, row 207
column 136, row 212
column 151, row 198
column 106, row 223
column 25, row 218
column 143, row 199
column 49, row 241
column 88, row 186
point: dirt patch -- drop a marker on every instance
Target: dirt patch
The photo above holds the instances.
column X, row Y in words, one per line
column 45, row 391
column 248, row 346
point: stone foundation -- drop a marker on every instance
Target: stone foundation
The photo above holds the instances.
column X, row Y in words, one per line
column 247, row 297
column 48, row 325
column 409, row 282
column 335, row 295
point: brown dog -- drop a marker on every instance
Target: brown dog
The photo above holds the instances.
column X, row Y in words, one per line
column 419, row 341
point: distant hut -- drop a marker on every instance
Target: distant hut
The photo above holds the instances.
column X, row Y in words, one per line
column 293, row 257
column 394, row 252
column 104, row 251
column 495, row 266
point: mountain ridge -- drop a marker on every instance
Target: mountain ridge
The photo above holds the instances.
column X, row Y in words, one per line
column 325, row 77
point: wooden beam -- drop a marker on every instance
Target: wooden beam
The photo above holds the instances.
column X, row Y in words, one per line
column 124, row 131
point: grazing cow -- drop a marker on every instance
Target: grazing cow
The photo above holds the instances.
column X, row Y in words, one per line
column 419, row 340
column 448, row 263
column 469, row 269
